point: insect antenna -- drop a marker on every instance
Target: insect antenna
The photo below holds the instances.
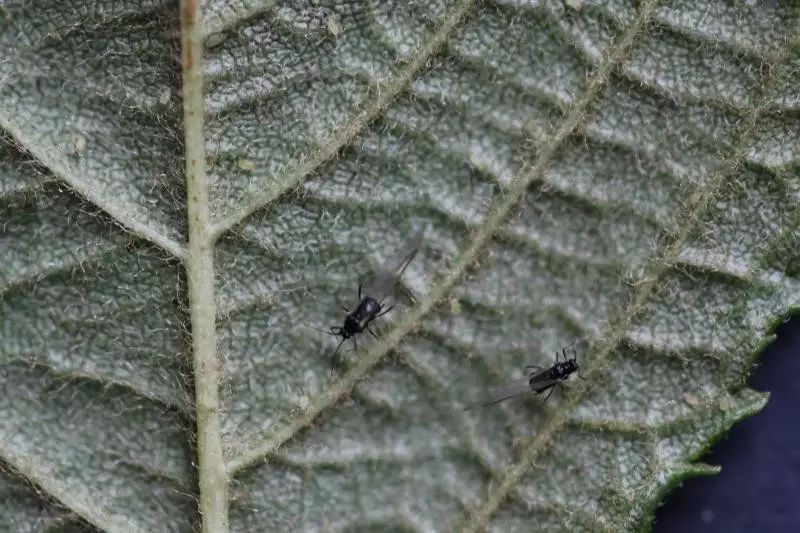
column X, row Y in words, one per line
column 335, row 352
column 327, row 332
column 334, row 334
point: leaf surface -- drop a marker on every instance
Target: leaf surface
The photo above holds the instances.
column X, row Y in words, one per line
column 623, row 176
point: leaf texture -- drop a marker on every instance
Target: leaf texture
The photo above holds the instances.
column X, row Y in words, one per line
column 620, row 175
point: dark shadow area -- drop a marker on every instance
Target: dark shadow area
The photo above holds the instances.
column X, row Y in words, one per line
column 759, row 486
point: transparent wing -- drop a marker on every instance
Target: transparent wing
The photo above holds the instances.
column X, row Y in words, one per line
column 521, row 386
column 541, row 383
column 384, row 280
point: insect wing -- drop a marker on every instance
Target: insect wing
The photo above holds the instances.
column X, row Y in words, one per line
column 541, row 385
column 516, row 388
column 391, row 270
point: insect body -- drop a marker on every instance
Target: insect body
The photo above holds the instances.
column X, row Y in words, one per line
column 539, row 380
column 370, row 305
column 359, row 319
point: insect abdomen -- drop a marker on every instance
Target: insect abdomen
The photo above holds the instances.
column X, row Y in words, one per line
column 366, row 311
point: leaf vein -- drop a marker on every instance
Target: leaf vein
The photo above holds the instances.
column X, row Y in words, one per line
column 345, row 134
column 121, row 214
column 501, row 207
column 695, row 206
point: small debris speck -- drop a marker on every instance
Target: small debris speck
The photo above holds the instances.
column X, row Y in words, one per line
column 215, row 39
column 78, row 144
column 165, row 95
column 246, row 164
column 334, row 27
column 725, row 404
column 302, row 402
column 691, row 399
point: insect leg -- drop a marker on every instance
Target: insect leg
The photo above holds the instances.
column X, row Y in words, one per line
column 359, row 292
column 334, row 359
column 346, row 310
column 371, row 332
column 386, row 311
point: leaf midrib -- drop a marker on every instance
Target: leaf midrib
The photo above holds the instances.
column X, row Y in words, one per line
column 199, row 263
column 496, row 216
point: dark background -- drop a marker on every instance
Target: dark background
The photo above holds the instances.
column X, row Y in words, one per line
column 758, row 489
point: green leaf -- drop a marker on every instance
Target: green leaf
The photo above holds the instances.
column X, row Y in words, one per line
column 182, row 193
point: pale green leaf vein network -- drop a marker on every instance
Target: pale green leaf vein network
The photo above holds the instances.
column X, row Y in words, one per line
column 231, row 17
column 213, row 481
column 55, row 163
column 753, row 406
column 343, row 136
column 496, row 216
column 695, row 206
column 78, row 503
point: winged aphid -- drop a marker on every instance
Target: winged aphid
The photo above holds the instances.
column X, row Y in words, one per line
column 539, row 380
column 372, row 295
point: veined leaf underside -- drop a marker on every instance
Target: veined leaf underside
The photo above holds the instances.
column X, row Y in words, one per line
column 622, row 175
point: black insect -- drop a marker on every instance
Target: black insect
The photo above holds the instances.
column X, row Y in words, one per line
column 371, row 304
column 539, row 380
